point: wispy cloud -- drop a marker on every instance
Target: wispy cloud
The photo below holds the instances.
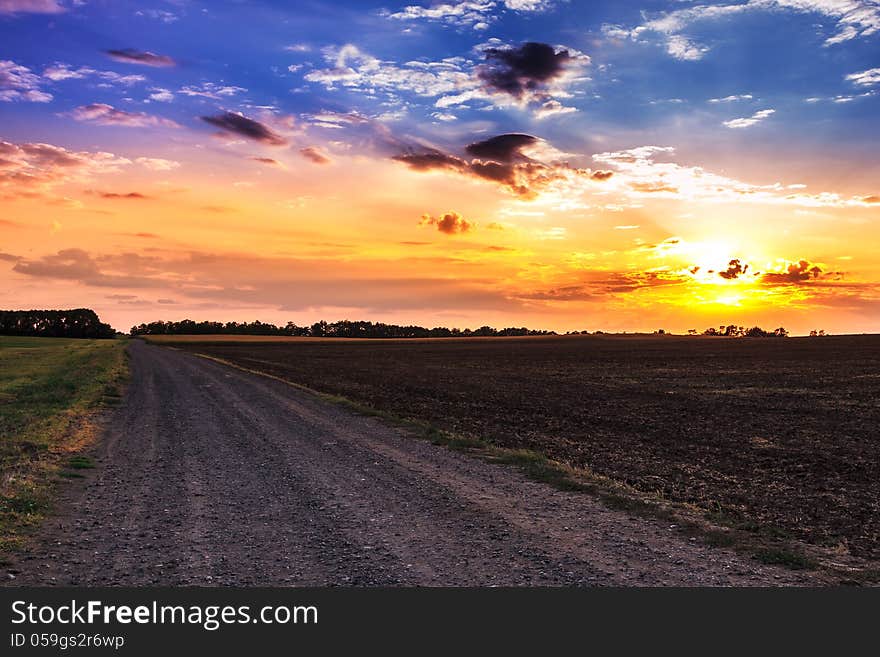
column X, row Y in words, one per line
column 30, row 7
column 748, row 121
column 852, row 19
column 474, row 14
column 19, row 83
column 58, row 72
column 142, row 57
column 104, row 114
column 314, row 155
column 868, row 78
column 34, row 168
column 731, row 99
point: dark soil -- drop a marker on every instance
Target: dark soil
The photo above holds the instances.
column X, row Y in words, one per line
column 207, row 475
column 772, row 435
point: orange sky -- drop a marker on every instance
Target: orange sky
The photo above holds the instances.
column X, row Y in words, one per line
column 635, row 183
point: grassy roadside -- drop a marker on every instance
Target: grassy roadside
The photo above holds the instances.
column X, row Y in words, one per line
column 50, row 392
column 716, row 529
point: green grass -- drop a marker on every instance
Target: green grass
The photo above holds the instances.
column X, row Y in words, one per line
column 784, row 557
column 50, row 389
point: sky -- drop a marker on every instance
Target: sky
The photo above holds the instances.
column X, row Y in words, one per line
column 564, row 165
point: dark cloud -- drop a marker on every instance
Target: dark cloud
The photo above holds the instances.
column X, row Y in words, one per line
column 143, row 57
column 599, row 285
column 430, row 159
column 266, row 160
column 499, row 159
column 450, row 223
column 735, row 269
column 238, row 124
column 796, row 272
column 314, row 155
column 123, row 196
column 147, row 236
column 522, row 71
column 502, row 148
column 8, row 257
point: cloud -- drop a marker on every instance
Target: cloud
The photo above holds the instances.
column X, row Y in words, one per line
column 285, row 283
column 459, row 14
column 19, row 83
column 238, row 124
column 476, row 14
column 157, row 163
column 211, row 90
column 731, row 99
column 126, row 196
column 352, row 68
column 600, row 285
column 30, row 7
column 552, row 108
column 526, row 72
column 450, row 223
column 641, row 172
column 529, row 74
column 8, row 257
column 104, row 114
column 868, row 78
column 502, row 148
column 142, row 57
column 59, row 71
column 852, row 18
column 161, row 95
column 314, row 155
column 794, row 273
column 734, row 270
column 746, row 122
column 509, row 160
column 33, row 168
column 78, row 265
column 266, row 160
column 158, row 14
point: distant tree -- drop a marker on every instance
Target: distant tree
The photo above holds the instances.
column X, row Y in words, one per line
column 341, row 329
column 75, row 323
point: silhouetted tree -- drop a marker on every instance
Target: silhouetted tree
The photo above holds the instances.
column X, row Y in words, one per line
column 75, row 323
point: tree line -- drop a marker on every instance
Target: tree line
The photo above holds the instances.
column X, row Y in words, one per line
column 322, row 329
column 731, row 330
column 74, row 323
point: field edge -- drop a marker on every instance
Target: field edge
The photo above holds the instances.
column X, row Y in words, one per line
column 689, row 521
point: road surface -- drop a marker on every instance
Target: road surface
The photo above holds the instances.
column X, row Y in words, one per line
column 208, row 475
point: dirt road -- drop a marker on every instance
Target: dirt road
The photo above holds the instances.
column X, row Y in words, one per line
column 208, row 475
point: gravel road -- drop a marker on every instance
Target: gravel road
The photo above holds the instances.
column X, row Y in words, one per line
column 207, row 475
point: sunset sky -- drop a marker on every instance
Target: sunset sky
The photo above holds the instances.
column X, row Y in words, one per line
column 548, row 163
